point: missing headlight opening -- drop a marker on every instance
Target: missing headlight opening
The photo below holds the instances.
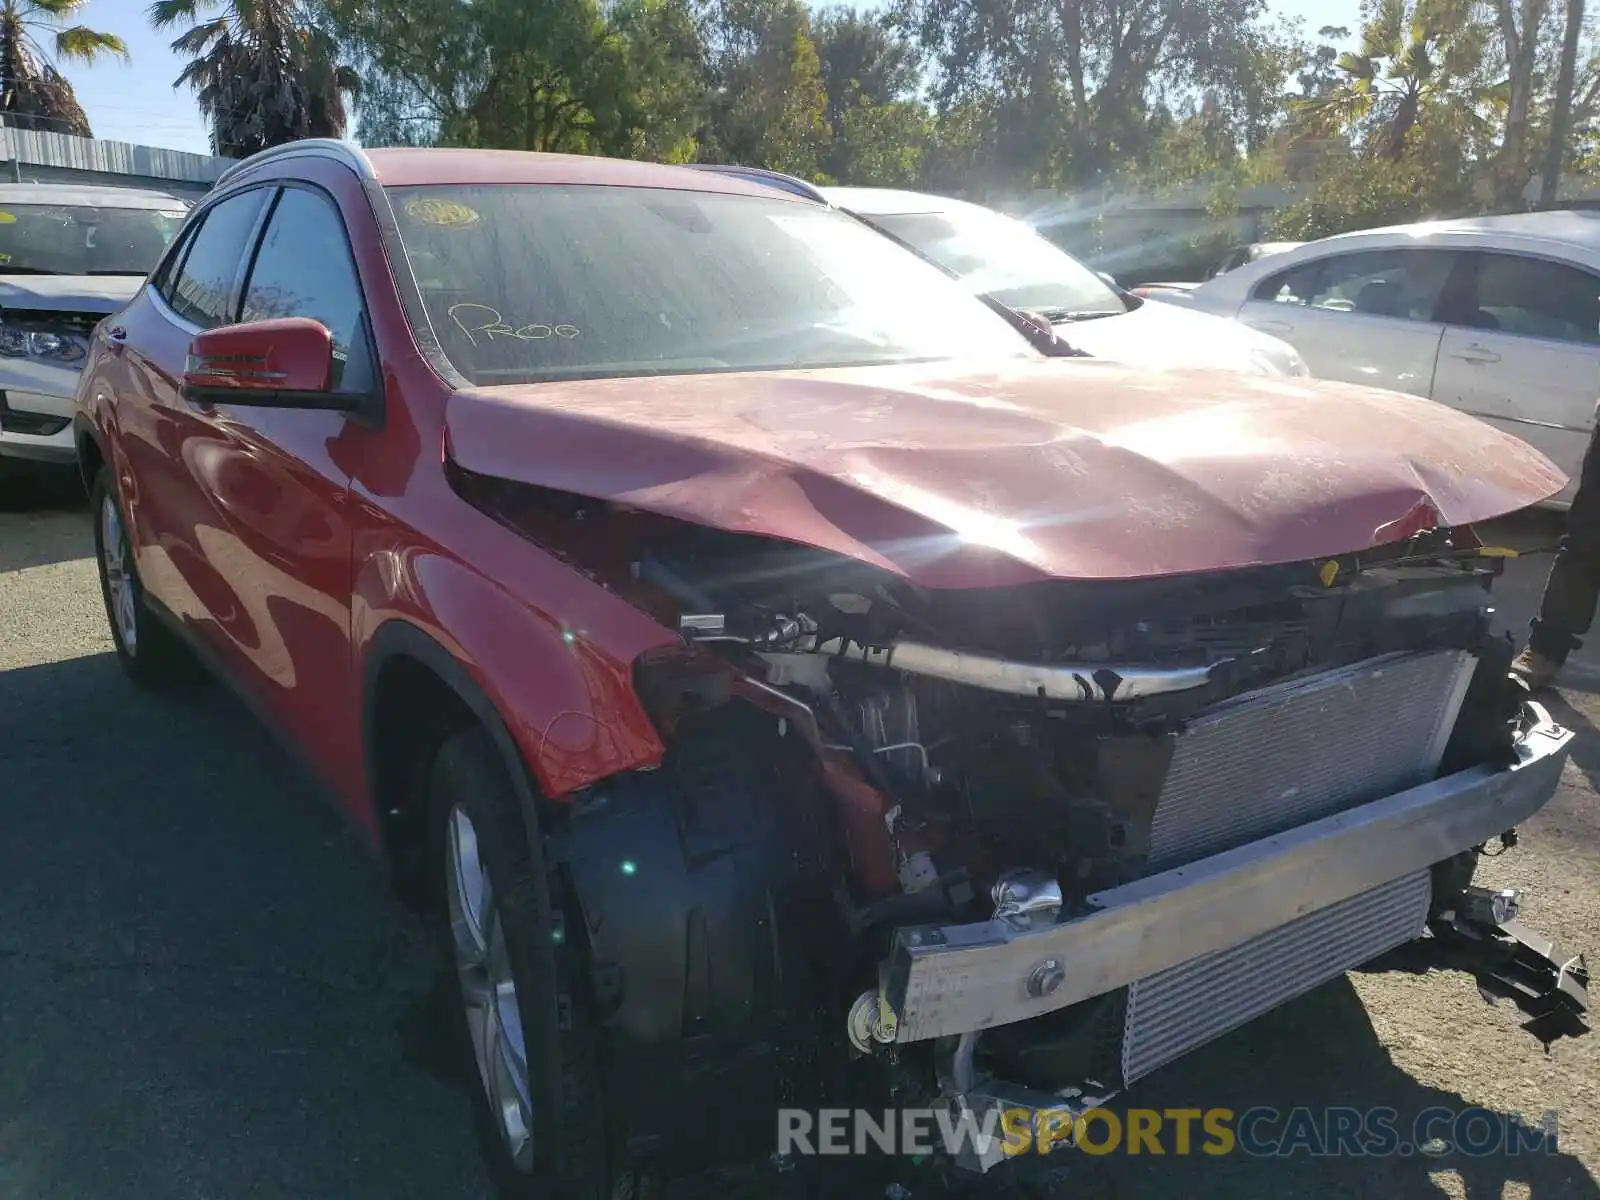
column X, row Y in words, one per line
column 1045, row 837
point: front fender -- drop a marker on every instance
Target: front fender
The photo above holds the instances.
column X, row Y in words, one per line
column 549, row 652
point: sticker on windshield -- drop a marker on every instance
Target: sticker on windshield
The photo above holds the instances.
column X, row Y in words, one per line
column 447, row 214
column 7, row 218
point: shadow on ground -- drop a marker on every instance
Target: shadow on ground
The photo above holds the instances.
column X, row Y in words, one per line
column 1316, row 1053
column 206, row 987
column 34, row 487
column 46, row 515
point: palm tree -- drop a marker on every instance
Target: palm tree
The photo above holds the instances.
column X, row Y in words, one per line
column 263, row 72
column 1412, row 58
column 33, row 94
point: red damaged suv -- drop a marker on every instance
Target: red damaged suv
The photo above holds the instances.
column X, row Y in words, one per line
column 781, row 680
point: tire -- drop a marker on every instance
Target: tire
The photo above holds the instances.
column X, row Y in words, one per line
column 480, row 833
column 152, row 654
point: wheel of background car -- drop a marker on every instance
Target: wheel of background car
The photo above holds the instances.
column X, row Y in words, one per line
column 525, row 1039
column 151, row 654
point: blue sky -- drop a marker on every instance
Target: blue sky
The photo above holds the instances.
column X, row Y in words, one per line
column 137, row 103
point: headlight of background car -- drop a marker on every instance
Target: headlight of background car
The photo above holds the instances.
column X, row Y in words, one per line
column 61, row 347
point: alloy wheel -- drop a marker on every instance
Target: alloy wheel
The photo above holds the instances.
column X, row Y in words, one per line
column 488, row 992
column 117, row 557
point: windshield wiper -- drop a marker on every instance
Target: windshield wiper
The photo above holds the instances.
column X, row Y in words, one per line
column 111, row 271
column 1059, row 315
column 7, row 269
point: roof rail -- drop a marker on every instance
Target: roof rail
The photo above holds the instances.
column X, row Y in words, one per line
column 789, row 183
column 346, row 152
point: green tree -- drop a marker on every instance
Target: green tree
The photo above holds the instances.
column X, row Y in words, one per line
column 865, row 60
column 667, row 77
column 768, row 104
column 1419, row 64
column 546, row 75
column 33, row 93
column 878, row 127
column 879, row 145
column 1319, row 72
column 1521, row 26
column 1364, row 192
column 1073, row 87
column 1561, row 113
column 263, row 71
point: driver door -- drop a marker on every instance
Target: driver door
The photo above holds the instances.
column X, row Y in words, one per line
column 257, row 536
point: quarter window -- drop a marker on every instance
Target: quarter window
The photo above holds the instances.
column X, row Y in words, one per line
column 304, row 269
column 1534, row 297
column 1403, row 284
column 167, row 273
column 203, row 290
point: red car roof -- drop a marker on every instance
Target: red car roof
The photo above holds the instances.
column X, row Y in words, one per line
column 403, row 167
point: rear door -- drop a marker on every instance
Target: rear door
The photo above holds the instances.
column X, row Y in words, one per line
column 1363, row 316
column 1523, row 352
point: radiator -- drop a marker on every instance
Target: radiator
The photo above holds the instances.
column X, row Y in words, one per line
column 1177, row 1010
column 1279, row 757
column 1266, row 762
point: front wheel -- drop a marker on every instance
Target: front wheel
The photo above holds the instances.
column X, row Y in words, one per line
column 529, row 1045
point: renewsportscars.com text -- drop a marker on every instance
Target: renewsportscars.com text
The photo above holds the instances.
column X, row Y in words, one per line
column 1255, row 1132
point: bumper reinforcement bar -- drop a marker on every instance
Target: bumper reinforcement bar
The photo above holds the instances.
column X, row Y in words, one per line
column 945, row 980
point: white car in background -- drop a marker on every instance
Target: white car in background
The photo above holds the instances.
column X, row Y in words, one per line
column 1012, row 264
column 1008, row 260
column 69, row 255
column 1496, row 316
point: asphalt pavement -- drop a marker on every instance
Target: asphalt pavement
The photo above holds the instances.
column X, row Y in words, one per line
column 207, row 991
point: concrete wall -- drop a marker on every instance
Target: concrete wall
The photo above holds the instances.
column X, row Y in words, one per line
column 27, row 156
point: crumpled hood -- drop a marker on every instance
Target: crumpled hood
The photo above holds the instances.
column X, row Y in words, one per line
column 1004, row 473
column 69, row 293
column 1165, row 336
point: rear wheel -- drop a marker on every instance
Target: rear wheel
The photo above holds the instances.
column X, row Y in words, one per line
column 529, row 1045
column 151, row 654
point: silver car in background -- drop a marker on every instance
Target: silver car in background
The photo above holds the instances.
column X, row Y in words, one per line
column 69, row 255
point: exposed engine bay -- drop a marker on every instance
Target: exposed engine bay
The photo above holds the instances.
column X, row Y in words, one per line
column 1002, row 765
column 1035, row 730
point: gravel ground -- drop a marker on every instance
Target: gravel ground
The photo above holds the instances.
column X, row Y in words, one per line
column 206, row 991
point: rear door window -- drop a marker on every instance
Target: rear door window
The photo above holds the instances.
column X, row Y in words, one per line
column 1534, row 297
column 203, row 290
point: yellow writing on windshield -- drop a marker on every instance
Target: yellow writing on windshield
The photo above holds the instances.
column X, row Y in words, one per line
column 450, row 214
column 480, row 320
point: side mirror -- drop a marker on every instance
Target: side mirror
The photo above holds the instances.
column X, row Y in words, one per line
column 286, row 362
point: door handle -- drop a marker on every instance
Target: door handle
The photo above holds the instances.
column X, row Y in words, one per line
column 1477, row 354
column 117, row 336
